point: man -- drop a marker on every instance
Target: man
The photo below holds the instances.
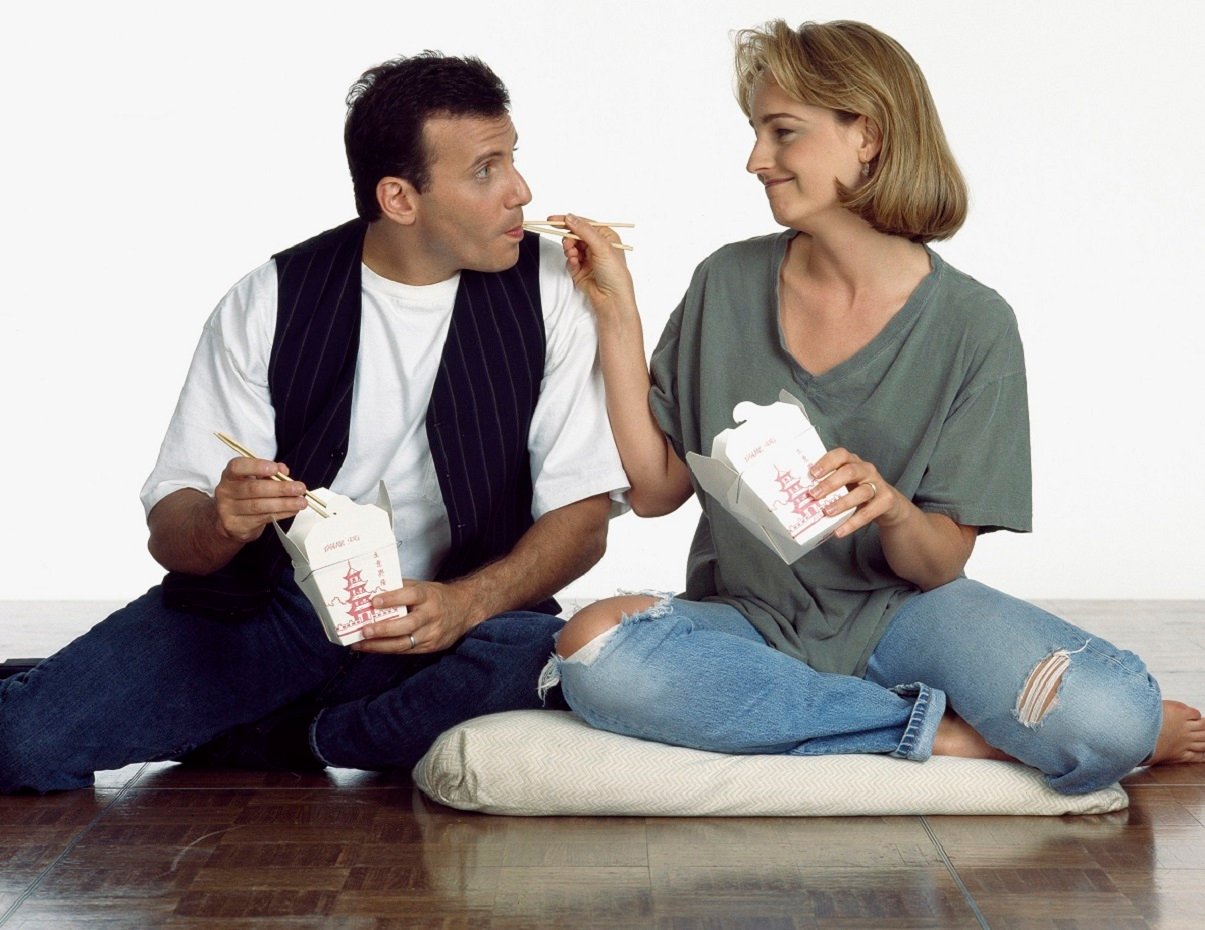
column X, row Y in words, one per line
column 429, row 344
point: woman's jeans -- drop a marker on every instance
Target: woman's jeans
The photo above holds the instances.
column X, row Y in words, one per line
column 152, row 683
column 697, row 674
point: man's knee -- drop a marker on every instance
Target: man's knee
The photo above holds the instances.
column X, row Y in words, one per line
column 592, row 621
column 516, row 627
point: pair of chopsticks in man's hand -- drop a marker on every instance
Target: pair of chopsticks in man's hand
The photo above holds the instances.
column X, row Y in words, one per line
column 557, row 228
column 318, row 505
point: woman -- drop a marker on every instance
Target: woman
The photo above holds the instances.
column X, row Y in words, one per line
column 913, row 375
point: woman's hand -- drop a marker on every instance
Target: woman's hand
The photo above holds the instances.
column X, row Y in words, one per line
column 868, row 493
column 927, row 549
column 598, row 271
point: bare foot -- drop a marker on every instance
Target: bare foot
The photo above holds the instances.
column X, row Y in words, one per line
column 956, row 737
column 1182, row 737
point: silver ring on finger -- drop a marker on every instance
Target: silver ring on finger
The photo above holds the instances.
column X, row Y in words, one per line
column 413, row 641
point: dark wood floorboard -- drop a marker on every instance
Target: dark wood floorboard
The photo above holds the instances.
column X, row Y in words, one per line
column 159, row 846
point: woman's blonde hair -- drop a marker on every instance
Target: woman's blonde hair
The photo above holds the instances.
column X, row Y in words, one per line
column 915, row 188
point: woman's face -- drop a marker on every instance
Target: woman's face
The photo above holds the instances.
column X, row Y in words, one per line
column 801, row 152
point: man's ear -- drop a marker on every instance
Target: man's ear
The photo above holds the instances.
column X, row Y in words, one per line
column 398, row 200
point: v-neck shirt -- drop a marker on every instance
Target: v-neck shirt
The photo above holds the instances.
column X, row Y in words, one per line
column 936, row 400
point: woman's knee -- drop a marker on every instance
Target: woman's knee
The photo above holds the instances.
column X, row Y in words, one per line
column 1095, row 728
column 595, row 619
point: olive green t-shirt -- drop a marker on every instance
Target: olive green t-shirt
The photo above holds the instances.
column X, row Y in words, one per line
column 937, row 401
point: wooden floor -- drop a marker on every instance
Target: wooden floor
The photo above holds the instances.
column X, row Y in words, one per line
column 158, row 846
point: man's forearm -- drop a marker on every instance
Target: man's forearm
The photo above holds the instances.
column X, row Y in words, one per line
column 186, row 535
column 559, row 547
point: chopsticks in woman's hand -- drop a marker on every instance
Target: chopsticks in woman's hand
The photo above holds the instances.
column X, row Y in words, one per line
column 557, row 228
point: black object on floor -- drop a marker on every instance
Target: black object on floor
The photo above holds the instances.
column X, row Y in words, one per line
column 10, row 667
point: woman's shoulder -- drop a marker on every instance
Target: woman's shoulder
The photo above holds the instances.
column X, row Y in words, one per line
column 764, row 245
column 743, row 257
column 959, row 297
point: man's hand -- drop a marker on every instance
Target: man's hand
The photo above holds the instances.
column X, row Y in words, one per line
column 438, row 615
column 557, row 548
column 194, row 533
column 248, row 497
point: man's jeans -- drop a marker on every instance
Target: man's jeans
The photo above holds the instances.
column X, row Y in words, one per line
column 697, row 674
column 151, row 683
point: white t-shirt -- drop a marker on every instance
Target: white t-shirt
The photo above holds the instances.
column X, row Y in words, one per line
column 402, row 332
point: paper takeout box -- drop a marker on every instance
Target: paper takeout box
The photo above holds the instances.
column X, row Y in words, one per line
column 342, row 561
column 758, row 471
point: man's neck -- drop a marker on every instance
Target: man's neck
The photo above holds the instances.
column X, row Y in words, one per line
column 395, row 252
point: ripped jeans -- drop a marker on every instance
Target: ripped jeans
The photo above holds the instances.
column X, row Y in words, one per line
column 698, row 674
column 1070, row 704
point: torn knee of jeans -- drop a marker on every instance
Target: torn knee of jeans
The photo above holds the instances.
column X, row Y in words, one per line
column 662, row 606
column 589, row 653
column 550, row 675
column 1040, row 693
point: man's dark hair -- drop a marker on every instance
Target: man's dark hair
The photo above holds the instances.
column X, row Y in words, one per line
column 389, row 105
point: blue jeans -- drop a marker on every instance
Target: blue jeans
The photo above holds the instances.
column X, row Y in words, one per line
column 1070, row 704
column 151, row 683
column 699, row 675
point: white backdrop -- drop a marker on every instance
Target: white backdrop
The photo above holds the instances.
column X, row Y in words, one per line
column 155, row 152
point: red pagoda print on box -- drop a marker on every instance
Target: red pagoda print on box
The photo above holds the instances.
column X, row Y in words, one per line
column 801, row 503
column 359, row 598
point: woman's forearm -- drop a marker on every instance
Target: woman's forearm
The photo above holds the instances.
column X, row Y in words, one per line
column 660, row 481
column 928, row 549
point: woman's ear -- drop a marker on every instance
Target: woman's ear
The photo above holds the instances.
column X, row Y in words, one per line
column 871, row 139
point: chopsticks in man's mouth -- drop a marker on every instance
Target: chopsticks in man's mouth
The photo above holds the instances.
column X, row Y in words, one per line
column 557, row 228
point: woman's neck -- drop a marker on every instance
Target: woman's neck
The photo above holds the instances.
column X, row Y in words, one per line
column 848, row 254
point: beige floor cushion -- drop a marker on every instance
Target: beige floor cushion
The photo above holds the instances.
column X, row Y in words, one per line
column 549, row 762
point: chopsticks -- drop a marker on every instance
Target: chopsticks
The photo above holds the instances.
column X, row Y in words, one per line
column 557, row 228
column 318, row 505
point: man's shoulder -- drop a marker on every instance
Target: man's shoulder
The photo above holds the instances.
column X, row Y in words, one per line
column 349, row 233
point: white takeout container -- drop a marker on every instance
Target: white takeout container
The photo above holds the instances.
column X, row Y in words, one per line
column 758, row 471
column 342, row 561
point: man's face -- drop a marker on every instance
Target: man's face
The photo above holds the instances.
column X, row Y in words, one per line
column 471, row 213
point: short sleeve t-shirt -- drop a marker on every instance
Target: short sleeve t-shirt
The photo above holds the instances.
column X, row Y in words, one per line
column 937, row 401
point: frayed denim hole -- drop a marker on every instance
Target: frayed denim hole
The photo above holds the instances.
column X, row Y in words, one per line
column 663, row 605
column 1039, row 693
column 600, row 645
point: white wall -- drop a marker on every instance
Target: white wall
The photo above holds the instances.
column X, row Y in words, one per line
column 155, row 152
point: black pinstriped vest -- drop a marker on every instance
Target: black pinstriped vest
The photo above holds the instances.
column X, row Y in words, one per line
column 477, row 421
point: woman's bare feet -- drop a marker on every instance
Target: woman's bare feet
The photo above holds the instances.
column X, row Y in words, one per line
column 956, row 737
column 1182, row 737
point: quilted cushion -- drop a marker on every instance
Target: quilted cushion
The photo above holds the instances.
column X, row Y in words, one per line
column 551, row 762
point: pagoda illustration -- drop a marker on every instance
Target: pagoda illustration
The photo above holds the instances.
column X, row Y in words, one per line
column 797, row 496
column 359, row 598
